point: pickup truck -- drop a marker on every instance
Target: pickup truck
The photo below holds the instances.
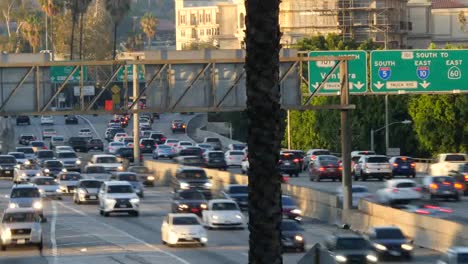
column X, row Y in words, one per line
column 447, row 162
column 109, row 162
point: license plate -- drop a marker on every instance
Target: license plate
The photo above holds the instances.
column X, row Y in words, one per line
column 7, row 172
column 288, row 243
column 404, row 167
column 330, row 169
column 92, row 197
column 95, row 147
column 447, row 192
column 394, row 253
column 287, row 163
column 123, row 206
column 21, row 241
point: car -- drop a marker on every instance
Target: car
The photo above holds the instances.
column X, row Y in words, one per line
column 358, row 192
column 183, row 144
column 205, row 147
column 25, row 172
column 222, row 213
column 131, row 178
column 441, row 187
column 126, row 154
column 164, row 151
column 71, row 120
column 20, row 226
column 239, row 193
column 461, row 175
column 144, row 174
column 347, row 247
column 191, row 178
column 354, row 164
column 48, row 133
column 178, row 126
column 47, row 120
column 311, row 154
column 215, row 159
column 159, row 138
column 25, row 139
column 454, row 255
column 7, row 166
column 389, row 241
column 376, row 166
column 171, row 142
column 52, row 168
column 292, row 235
column 398, row 191
column 189, row 201
column 191, row 151
column 128, row 141
column 403, row 166
column 215, row 142
column 87, row 190
column 47, row 186
column 26, row 196
column 288, row 163
column 300, row 154
column 234, row 157
column 64, row 148
column 245, row 165
column 147, row 145
column 28, row 152
column 95, row 144
column 118, row 197
column 56, row 141
column 20, row 157
column 237, row 146
column 38, row 145
column 119, row 136
column 144, row 122
column 195, row 161
column 85, row 132
column 96, row 172
column 112, row 132
column 362, row 153
column 290, row 208
column 23, row 119
column 109, row 162
column 70, row 160
column 179, row 229
column 114, row 146
column 78, row 143
column 68, row 180
column 429, row 208
column 325, row 167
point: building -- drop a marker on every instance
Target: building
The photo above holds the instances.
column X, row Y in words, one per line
column 220, row 23
column 438, row 22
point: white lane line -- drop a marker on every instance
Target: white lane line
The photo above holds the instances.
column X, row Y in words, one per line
column 53, row 239
column 91, row 125
column 127, row 234
column 245, row 254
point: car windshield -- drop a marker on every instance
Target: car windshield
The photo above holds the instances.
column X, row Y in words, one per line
column 139, row 169
column 403, row 160
column 185, row 220
column 357, row 243
column 288, row 201
column 85, row 130
column 462, row 258
column 443, row 179
column 237, row 153
column 106, row 160
column 125, row 151
column 53, row 163
column 90, row 184
column 95, row 169
column 204, row 146
column 25, row 192
column 377, row 159
column 238, row 189
column 191, row 196
column 95, row 141
column 6, row 160
column 192, row 159
column 44, row 181
column 147, row 142
column 405, row 185
column 27, row 137
column 19, row 217
column 65, row 155
column 37, row 144
column 18, row 155
column 117, row 144
column 189, row 152
column 127, row 177
column 388, row 233
column 45, row 154
column 238, row 146
column 120, row 189
column 290, row 226
column 185, row 144
column 224, row 207
column 31, row 166
column 58, row 139
column 321, row 152
column 216, row 155
column 193, row 174
column 455, row 157
column 464, row 168
column 328, row 161
column 214, row 140
column 172, row 141
column 26, row 150
column 70, row 177
column 360, row 189
column 164, row 147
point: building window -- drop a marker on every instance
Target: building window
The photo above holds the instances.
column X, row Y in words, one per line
column 200, row 18
column 182, row 20
column 193, row 19
column 242, row 20
column 208, row 32
column 202, row 32
column 194, row 33
column 208, row 18
column 182, row 33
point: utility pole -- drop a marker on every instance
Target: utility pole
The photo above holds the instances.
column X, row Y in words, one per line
column 372, row 139
column 289, row 131
column 387, row 139
column 136, row 116
column 345, row 137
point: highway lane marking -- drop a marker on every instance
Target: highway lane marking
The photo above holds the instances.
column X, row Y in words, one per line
column 127, row 234
column 91, row 125
column 53, row 239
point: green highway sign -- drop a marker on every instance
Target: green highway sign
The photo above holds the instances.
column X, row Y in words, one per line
column 129, row 69
column 419, row 71
column 59, row 74
column 357, row 72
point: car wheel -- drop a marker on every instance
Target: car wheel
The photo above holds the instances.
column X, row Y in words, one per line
column 136, row 214
column 334, row 179
column 380, row 178
column 3, row 248
column 40, row 246
column 106, row 214
column 457, row 197
column 202, row 244
column 317, row 178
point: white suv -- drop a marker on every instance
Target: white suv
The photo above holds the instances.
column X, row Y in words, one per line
column 376, row 166
column 118, row 197
column 47, row 120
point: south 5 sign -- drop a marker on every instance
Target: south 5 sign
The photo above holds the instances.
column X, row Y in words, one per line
column 419, row 71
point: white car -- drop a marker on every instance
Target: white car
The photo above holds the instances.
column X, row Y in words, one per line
column 183, row 229
column 26, row 171
column 358, row 192
column 120, row 136
column 399, row 191
column 47, row 120
column 144, row 122
column 245, row 165
column 234, row 157
column 87, row 190
column 238, row 146
column 171, row 142
column 114, row 146
column 68, row 181
column 223, row 213
column 183, row 144
column 20, row 226
column 376, row 166
column 47, row 186
column 128, row 141
column 109, row 162
column 118, row 197
column 85, row 132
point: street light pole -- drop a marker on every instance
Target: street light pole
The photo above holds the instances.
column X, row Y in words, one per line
column 404, row 122
column 387, row 135
column 372, row 139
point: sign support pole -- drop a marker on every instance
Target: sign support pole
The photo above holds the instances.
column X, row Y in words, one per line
column 345, row 137
column 136, row 117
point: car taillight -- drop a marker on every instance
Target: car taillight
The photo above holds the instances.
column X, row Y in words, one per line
column 433, row 186
column 296, row 160
column 141, row 145
column 422, row 211
column 44, row 147
column 418, row 189
column 156, row 145
column 428, row 206
column 395, row 190
column 322, row 169
column 446, row 210
column 340, row 168
column 230, row 157
column 413, row 164
column 447, row 183
column 466, row 177
column 395, row 164
column 312, row 157
column 163, row 139
column 458, row 186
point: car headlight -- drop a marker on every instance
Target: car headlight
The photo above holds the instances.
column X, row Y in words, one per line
column 58, row 190
column 38, row 174
column 371, row 258
column 13, row 205
column 215, row 217
column 340, row 258
column 203, row 206
column 109, row 200
column 203, row 239
column 134, row 200
column 380, row 247
column 298, row 238
column 6, row 233
column 208, row 184
column 27, row 162
column 150, row 178
column 41, row 191
column 296, row 211
column 64, row 170
column 183, row 206
column 407, row 247
column 238, row 216
column 120, row 168
column 17, row 166
column 184, row 185
column 37, row 205
column 82, row 191
column 46, row 170
column 78, row 162
column 23, row 174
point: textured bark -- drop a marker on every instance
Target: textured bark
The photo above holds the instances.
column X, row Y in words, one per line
column 264, row 116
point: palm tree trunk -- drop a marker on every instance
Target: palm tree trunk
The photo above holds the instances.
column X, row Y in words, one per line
column 149, row 42
column 52, row 45
column 264, row 139
column 81, row 35
column 115, row 41
column 72, row 33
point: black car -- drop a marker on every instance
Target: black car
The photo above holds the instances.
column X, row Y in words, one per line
column 26, row 139
column 349, row 247
column 300, row 154
column 52, row 168
column 42, row 155
column 238, row 193
column 195, row 161
column 144, row 174
column 215, row 159
column 159, row 138
column 178, row 126
column 292, row 235
column 147, row 145
column 389, row 241
column 126, row 153
column 191, row 151
column 7, row 166
column 290, row 208
column 95, row 144
column 71, row 119
column 189, row 201
column 78, row 143
column 189, row 178
column 289, row 163
column 112, row 132
column 22, row 119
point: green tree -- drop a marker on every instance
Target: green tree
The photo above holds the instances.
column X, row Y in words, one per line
column 117, row 9
column 32, row 31
column 265, row 131
column 148, row 25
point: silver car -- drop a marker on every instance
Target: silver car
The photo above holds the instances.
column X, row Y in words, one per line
column 87, row 191
column 20, row 226
column 70, row 160
column 25, row 172
column 26, row 196
column 68, row 181
column 48, row 187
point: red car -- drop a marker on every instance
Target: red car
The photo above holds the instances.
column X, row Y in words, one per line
column 325, row 167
